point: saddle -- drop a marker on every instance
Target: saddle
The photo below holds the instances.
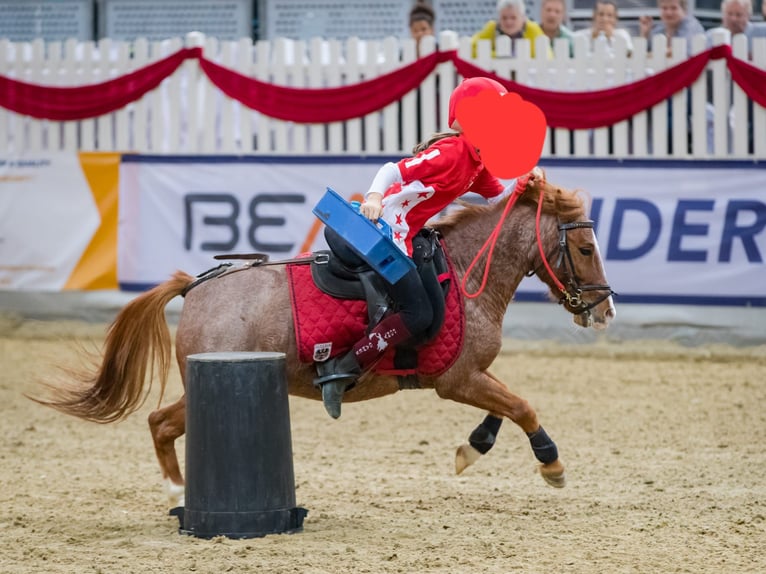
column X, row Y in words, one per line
column 334, row 277
column 330, row 312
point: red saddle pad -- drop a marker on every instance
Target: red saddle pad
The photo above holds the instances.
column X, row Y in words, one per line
column 326, row 327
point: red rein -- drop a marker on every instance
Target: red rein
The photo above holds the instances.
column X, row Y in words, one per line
column 518, row 190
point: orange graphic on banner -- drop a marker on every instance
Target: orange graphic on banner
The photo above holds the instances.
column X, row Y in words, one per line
column 97, row 268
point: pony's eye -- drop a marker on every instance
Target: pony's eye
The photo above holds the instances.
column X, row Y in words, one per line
column 586, row 251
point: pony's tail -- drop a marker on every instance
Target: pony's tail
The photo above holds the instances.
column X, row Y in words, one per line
column 138, row 338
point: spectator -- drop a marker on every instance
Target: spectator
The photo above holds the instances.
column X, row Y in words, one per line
column 675, row 22
column 553, row 13
column 759, row 30
column 422, row 18
column 735, row 19
column 512, row 22
column 604, row 24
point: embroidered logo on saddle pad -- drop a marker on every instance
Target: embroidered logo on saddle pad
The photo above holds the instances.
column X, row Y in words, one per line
column 325, row 326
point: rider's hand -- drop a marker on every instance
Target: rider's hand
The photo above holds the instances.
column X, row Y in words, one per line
column 372, row 208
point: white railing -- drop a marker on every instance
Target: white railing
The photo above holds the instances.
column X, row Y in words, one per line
column 188, row 115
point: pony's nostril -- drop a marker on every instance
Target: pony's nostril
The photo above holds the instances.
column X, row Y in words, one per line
column 611, row 313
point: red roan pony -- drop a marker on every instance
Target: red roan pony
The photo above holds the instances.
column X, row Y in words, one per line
column 251, row 311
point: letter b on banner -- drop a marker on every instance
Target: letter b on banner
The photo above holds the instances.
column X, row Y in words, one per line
column 225, row 221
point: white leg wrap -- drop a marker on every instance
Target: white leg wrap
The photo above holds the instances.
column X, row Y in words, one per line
column 175, row 493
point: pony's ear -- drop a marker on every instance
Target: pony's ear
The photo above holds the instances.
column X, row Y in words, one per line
column 533, row 180
column 537, row 175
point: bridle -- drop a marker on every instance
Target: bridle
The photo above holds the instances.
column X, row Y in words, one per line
column 571, row 292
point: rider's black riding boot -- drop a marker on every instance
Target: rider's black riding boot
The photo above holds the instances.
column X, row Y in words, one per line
column 335, row 376
column 338, row 374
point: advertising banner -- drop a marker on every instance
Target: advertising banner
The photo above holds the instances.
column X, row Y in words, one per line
column 58, row 221
column 179, row 213
column 669, row 232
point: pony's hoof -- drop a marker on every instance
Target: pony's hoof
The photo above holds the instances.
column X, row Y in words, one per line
column 178, row 512
column 466, row 455
column 553, row 474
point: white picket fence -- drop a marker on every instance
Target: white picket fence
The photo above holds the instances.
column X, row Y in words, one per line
column 188, row 115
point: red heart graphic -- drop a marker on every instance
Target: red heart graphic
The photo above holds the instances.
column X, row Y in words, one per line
column 508, row 131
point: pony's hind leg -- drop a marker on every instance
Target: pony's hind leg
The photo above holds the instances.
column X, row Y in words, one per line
column 486, row 392
column 167, row 424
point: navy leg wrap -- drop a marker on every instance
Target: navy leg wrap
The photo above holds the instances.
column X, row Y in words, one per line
column 483, row 436
column 544, row 448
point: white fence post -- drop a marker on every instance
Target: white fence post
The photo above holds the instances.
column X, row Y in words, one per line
column 5, row 115
column 317, row 64
column 333, row 79
column 139, row 136
column 122, row 117
column 389, row 120
column 36, row 128
column 263, row 73
column 447, row 78
column 759, row 112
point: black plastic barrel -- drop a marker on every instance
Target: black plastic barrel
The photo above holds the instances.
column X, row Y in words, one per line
column 239, row 462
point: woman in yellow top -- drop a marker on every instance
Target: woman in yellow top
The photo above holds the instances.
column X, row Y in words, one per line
column 512, row 22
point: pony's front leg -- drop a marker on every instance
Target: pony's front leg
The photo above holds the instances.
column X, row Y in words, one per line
column 484, row 391
column 166, row 425
column 481, row 440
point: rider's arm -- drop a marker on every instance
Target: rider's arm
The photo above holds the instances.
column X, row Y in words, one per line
column 387, row 175
column 502, row 195
column 536, row 174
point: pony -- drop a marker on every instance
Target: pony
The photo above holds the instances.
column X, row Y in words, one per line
column 251, row 311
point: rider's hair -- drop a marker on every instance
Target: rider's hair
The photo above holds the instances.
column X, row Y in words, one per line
column 432, row 140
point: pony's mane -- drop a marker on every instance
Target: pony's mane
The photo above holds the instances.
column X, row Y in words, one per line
column 567, row 205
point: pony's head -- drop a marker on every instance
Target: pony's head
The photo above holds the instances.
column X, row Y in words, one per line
column 568, row 258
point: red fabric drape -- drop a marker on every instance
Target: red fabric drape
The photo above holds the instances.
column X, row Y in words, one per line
column 81, row 102
column 751, row 79
column 571, row 110
column 312, row 105
column 583, row 110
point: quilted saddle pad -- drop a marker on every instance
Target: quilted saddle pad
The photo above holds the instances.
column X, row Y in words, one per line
column 326, row 327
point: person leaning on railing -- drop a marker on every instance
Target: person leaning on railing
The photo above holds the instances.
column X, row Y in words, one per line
column 735, row 19
column 553, row 14
column 422, row 18
column 759, row 28
column 604, row 25
column 675, row 22
column 511, row 21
